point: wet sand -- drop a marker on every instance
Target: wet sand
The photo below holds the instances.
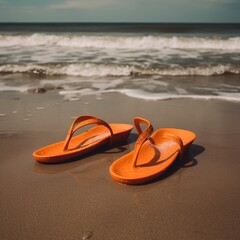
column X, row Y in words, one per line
column 196, row 199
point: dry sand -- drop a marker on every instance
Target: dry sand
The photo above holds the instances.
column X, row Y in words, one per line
column 199, row 199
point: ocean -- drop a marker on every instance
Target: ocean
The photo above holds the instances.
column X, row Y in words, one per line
column 149, row 61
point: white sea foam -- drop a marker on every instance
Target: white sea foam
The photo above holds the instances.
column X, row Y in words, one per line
column 120, row 42
column 100, row 87
column 166, row 96
column 101, row 70
column 7, row 88
column 86, row 70
column 141, row 94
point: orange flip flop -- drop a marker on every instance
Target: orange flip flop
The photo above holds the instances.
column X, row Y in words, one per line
column 101, row 135
column 152, row 154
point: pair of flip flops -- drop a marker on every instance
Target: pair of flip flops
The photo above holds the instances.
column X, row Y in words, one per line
column 153, row 153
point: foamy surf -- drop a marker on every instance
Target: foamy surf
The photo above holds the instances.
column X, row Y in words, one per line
column 150, row 62
column 121, row 42
column 141, row 88
column 101, row 70
column 140, row 94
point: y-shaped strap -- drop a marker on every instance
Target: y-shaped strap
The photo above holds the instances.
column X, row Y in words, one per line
column 176, row 139
column 81, row 122
column 144, row 135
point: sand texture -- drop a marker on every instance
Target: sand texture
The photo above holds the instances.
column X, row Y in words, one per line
column 196, row 199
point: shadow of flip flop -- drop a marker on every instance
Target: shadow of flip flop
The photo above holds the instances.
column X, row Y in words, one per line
column 188, row 160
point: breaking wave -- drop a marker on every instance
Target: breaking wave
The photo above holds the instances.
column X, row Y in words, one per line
column 121, row 42
column 101, row 70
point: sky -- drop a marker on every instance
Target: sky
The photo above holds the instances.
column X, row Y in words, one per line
column 212, row 11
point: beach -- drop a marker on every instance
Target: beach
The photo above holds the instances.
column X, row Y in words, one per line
column 175, row 75
column 195, row 199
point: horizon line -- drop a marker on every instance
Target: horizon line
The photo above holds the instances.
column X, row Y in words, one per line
column 112, row 22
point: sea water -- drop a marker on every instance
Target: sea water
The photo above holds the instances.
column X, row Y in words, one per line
column 148, row 61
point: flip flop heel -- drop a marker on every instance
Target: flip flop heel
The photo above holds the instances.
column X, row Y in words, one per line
column 120, row 138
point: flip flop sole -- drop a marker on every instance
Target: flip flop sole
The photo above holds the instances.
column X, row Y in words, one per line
column 83, row 143
column 156, row 155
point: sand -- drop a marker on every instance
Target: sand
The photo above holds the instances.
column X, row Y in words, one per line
column 199, row 199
